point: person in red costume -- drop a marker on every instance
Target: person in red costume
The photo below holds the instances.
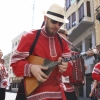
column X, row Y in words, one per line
column 96, row 72
column 3, row 78
column 68, row 87
column 49, row 46
column 96, row 77
column 70, row 90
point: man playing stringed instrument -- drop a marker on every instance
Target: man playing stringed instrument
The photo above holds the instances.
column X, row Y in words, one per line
column 48, row 45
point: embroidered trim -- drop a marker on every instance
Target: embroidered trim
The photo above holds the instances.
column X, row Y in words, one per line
column 52, row 47
column 45, row 95
column 65, row 55
column 45, row 34
column 70, row 90
column 3, row 71
column 27, row 70
column 67, row 89
column 19, row 56
column 3, row 83
column 96, row 70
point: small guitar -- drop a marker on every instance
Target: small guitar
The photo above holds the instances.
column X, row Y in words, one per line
column 31, row 83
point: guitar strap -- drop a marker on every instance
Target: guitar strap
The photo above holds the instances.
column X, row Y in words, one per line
column 36, row 39
column 59, row 38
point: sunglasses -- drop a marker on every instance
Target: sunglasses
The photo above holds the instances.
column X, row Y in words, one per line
column 55, row 22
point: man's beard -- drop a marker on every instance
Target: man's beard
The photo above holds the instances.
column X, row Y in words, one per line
column 48, row 31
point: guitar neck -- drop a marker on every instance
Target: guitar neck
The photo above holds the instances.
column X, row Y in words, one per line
column 74, row 57
column 67, row 59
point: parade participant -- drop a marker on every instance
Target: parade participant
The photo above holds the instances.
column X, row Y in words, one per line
column 69, row 88
column 96, row 76
column 96, row 72
column 93, row 90
column 71, row 91
column 50, row 46
column 3, row 77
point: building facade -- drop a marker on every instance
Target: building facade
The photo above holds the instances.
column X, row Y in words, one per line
column 6, row 59
column 96, row 4
column 83, row 33
column 14, row 81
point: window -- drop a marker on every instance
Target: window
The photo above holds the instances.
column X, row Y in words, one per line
column 88, row 9
column 12, row 53
column 15, row 43
column 10, row 71
column 78, row 1
column 72, row 1
column 13, row 46
column 73, row 19
column 68, row 3
column 68, row 25
column 81, row 12
column 90, row 43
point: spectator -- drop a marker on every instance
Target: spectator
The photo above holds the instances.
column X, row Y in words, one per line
column 93, row 90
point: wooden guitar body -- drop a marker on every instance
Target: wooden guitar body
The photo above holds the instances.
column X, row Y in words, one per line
column 31, row 83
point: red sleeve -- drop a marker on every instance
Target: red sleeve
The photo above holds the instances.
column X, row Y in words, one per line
column 19, row 64
column 67, row 54
column 18, row 68
column 68, row 71
column 96, row 76
column 96, row 72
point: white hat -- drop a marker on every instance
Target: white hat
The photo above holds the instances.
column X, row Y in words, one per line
column 56, row 12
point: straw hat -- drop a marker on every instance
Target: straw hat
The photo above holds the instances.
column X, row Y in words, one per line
column 57, row 13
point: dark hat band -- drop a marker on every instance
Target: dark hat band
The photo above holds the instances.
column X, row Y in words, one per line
column 55, row 14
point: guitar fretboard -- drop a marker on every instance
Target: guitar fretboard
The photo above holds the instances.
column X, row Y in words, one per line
column 76, row 56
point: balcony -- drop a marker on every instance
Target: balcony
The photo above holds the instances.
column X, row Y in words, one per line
column 84, row 24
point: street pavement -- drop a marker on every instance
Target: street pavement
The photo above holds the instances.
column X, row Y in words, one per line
column 10, row 96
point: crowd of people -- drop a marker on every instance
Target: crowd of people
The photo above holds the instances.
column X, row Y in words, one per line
column 41, row 45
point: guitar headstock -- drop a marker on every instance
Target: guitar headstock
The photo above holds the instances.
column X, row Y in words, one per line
column 94, row 50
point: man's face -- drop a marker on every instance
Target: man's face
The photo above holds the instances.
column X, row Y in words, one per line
column 52, row 26
column 1, row 54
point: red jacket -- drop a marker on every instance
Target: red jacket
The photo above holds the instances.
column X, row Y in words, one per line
column 46, row 47
column 96, row 72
